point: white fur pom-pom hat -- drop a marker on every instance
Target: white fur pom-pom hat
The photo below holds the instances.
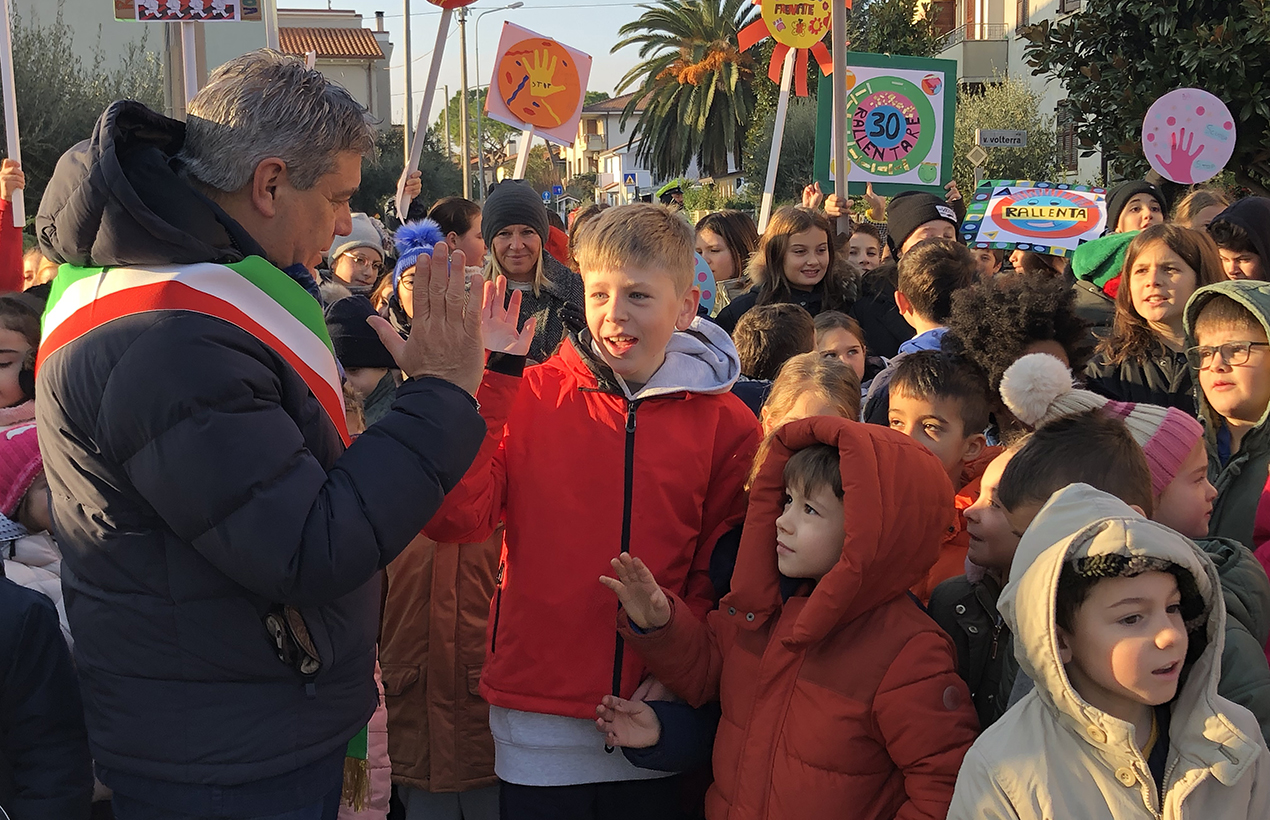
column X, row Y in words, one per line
column 1038, row 388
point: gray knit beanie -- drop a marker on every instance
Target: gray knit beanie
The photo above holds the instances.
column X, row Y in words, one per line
column 365, row 235
column 513, row 202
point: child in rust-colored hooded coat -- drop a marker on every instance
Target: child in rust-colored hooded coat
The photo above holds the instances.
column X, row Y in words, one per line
column 840, row 696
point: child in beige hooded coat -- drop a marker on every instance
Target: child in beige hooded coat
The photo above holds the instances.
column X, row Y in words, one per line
column 1125, row 720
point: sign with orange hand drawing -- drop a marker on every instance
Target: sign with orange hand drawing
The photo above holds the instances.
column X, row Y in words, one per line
column 538, row 83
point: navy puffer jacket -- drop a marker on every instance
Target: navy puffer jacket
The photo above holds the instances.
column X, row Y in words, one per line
column 197, row 484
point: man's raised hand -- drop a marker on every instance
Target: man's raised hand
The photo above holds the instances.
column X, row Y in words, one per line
column 644, row 601
column 445, row 332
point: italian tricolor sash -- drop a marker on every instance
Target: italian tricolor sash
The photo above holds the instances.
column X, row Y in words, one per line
column 251, row 294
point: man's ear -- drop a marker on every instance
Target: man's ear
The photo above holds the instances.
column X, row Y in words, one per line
column 1064, row 645
column 269, row 175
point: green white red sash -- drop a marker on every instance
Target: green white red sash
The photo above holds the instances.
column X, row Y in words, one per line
column 251, row 294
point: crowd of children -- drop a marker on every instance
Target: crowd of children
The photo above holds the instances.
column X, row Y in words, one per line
column 903, row 530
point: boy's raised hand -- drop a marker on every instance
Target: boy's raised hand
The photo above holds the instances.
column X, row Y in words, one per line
column 645, row 603
column 498, row 323
column 628, row 723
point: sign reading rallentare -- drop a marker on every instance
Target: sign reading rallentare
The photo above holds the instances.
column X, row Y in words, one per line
column 1009, row 214
column 899, row 123
column 188, row 11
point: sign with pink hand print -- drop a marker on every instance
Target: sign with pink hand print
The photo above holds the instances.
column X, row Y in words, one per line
column 1188, row 135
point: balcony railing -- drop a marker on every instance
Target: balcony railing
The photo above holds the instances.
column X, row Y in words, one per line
column 975, row 31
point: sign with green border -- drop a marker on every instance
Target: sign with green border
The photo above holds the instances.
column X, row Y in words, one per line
column 900, row 114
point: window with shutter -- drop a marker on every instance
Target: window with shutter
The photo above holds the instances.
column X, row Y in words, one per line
column 1068, row 142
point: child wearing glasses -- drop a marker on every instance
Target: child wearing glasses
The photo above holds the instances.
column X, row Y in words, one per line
column 1226, row 327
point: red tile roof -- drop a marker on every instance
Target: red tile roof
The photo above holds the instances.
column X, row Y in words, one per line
column 336, row 43
column 612, row 105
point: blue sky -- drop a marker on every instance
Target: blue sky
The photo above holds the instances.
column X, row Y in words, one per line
column 587, row 25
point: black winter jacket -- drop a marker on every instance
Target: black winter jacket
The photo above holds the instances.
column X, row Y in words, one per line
column 813, row 301
column 1162, row 377
column 45, row 773
column 967, row 611
column 197, row 484
column 884, row 328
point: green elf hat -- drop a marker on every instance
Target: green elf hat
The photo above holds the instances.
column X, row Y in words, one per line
column 1100, row 260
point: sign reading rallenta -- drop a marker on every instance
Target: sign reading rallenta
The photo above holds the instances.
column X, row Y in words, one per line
column 990, row 138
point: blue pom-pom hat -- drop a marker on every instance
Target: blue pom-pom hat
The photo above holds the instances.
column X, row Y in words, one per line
column 413, row 240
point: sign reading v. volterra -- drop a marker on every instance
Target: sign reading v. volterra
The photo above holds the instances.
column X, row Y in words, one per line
column 991, row 138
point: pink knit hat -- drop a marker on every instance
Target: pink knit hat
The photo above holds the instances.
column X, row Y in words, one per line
column 20, row 464
column 1038, row 388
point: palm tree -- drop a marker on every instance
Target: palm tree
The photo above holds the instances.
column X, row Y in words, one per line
column 693, row 84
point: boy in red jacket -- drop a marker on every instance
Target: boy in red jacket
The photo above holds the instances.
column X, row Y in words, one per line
column 840, row 696
column 626, row 440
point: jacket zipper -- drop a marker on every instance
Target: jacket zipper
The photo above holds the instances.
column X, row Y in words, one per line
column 498, row 606
column 628, row 482
column 996, row 635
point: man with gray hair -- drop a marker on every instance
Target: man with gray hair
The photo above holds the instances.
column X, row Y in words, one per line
column 222, row 539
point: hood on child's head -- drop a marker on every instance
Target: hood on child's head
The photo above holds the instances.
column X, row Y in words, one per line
column 898, row 508
column 1252, row 213
column 1080, row 522
column 1254, row 295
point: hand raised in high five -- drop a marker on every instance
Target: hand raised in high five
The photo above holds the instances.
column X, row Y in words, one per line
column 445, row 332
column 645, row 603
column 627, row 723
column 498, row 323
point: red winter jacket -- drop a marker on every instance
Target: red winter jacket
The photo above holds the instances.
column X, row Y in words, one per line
column 845, row 702
column 575, row 470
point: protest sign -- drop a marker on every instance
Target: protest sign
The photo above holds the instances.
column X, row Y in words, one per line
column 188, row 11
column 1188, row 136
column 899, row 131
column 1044, row 217
column 538, row 84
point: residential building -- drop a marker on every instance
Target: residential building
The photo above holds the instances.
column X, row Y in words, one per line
column 599, row 130
column 357, row 61
column 347, row 52
column 987, row 42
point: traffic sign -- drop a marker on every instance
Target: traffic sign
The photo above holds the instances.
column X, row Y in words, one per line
column 557, row 190
column 977, row 156
column 629, row 180
column 546, row 196
column 990, row 138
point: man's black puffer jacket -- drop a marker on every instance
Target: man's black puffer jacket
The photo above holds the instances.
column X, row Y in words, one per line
column 197, row 483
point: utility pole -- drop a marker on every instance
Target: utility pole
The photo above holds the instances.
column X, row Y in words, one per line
column 408, row 117
column 445, row 115
column 466, row 151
